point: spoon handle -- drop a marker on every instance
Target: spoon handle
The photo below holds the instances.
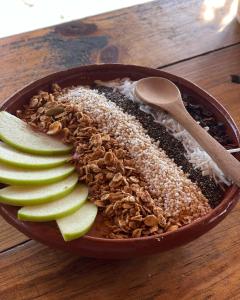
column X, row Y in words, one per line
column 225, row 161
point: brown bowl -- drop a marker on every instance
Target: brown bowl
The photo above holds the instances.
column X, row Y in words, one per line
column 92, row 244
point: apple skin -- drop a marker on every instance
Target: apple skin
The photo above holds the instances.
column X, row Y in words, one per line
column 73, row 236
column 40, row 200
column 81, row 213
column 35, row 167
column 23, row 217
column 32, row 181
column 9, row 122
column 67, row 150
column 80, row 191
column 13, row 157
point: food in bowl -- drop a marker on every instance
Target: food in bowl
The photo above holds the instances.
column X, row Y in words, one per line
column 118, row 153
column 45, row 186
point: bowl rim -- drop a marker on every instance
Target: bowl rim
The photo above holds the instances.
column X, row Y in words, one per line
column 233, row 190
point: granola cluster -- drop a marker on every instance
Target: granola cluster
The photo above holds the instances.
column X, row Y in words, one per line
column 138, row 189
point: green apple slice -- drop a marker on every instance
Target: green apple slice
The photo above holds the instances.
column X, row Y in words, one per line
column 20, row 135
column 56, row 209
column 14, row 157
column 78, row 223
column 19, row 176
column 32, row 195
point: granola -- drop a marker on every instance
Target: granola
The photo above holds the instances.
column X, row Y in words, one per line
column 118, row 163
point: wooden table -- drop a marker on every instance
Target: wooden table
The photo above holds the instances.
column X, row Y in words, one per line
column 171, row 35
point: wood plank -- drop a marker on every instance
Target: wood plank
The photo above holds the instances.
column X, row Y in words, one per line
column 151, row 34
column 212, row 72
column 207, row 268
column 9, row 236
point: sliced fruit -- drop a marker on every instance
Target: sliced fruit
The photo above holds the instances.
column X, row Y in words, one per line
column 33, row 195
column 19, row 176
column 20, row 135
column 56, row 209
column 14, row 157
column 78, row 223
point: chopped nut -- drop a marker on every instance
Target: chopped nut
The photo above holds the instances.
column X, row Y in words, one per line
column 126, row 206
column 99, row 177
column 41, row 110
column 106, row 137
column 120, row 153
column 117, row 177
column 93, row 167
column 153, row 229
column 105, row 197
column 100, row 203
column 172, row 228
column 133, row 179
column 56, row 87
column 34, row 102
column 55, row 128
column 133, row 225
column 137, row 233
column 96, row 140
column 109, row 175
column 109, row 158
column 137, row 218
column 53, row 111
column 66, row 132
column 109, row 210
column 151, row 220
column 162, row 220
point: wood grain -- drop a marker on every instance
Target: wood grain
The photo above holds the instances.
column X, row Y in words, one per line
column 207, row 268
column 154, row 34
column 9, row 236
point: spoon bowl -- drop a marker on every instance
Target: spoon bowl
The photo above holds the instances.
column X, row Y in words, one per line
column 157, row 90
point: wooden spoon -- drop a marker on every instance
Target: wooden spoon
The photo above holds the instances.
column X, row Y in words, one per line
column 160, row 92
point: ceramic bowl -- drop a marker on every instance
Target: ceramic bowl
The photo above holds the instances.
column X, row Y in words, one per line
column 92, row 244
